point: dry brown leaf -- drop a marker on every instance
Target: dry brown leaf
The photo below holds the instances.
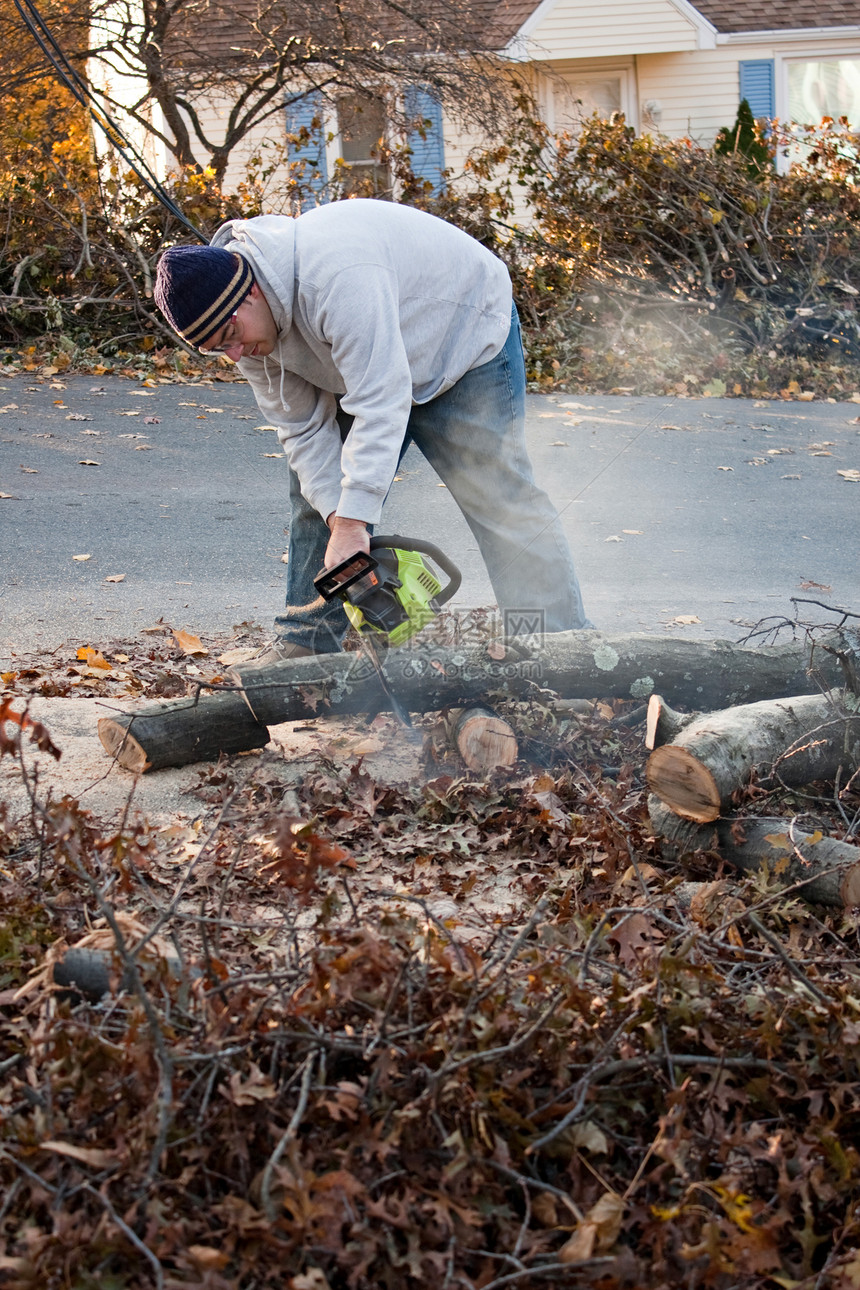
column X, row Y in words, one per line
column 256, row 1088
column 92, row 1156
column 81, row 558
column 93, row 658
column 598, row 1231
column 89, row 463
column 232, row 656
column 588, row 1137
column 115, row 577
column 312, row 1279
column 853, row 476
column 29, row 470
column 190, row 644
column 206, row 1256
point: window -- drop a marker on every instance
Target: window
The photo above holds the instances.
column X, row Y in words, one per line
column 825, row 87
column 361, row 127
column 583, row 94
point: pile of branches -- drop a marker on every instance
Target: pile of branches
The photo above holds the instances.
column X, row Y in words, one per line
column 264, row 1070
column 660, row 264
column 640, row 263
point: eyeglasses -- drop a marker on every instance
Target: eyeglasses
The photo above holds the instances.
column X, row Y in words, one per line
column 231, row 331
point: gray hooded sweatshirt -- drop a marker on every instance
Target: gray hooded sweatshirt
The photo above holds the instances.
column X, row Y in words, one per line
column 380, row 305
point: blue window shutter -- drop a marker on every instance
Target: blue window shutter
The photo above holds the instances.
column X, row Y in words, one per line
column 757, row 86
column 301, row 111
column 428, row 152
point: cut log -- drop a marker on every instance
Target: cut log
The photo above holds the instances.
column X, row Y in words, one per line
column 182, row 731
column 580, row 664
column 794, row 741
column 829, row 870
column 483, row 739
column 664, row 723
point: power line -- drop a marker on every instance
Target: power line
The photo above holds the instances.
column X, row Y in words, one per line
column 78, row 87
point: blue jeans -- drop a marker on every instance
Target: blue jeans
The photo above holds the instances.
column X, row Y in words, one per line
column 474, row 438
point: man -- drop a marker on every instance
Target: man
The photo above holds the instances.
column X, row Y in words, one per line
column 363, row 326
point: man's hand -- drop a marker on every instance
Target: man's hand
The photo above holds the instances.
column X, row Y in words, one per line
column 347, row 537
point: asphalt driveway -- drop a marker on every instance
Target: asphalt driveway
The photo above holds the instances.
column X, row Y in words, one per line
column 719, row 510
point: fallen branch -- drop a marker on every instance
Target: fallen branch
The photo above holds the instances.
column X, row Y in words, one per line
column 827, row 871
column 795, row 740
column 185, row 730
column 581, row 664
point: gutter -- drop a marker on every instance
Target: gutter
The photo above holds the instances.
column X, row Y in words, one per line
column 793, row 34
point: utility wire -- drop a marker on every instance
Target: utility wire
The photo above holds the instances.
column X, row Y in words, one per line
column 78, row 87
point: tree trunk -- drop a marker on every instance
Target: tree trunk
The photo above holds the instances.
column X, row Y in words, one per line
column 483, row 739
column 829, row 870
column 174, row 734
column 582, row 664
column 793, row 741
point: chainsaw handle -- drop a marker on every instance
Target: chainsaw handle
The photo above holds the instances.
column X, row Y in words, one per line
column 425, row 548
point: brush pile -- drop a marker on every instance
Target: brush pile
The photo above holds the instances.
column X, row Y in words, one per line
column 345, row 1033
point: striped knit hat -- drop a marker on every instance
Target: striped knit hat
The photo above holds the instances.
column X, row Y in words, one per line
column 197, row 288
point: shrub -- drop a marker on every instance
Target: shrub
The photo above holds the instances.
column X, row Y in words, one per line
column 645, row 259
column 639, row 263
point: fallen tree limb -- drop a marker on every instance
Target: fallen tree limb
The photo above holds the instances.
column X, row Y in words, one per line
column 181, row 731
column 827, row 871
column 582, row 664
column 798, row 740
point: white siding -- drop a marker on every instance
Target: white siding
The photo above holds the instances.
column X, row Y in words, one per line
column 698, row 92
column 266, row 140
column 691, row 94
column 603, row 28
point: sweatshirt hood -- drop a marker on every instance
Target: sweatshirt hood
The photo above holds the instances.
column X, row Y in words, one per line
column 268, row 242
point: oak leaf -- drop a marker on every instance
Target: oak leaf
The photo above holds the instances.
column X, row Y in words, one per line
column 92, row 1156
column 598, row 1231
column 189, row 644
column 93, row 658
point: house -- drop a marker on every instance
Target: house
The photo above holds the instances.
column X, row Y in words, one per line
column 671, row 66
column 681, row 69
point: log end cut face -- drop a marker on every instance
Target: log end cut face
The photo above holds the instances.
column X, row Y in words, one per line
column 683, row 783
column 121, row 745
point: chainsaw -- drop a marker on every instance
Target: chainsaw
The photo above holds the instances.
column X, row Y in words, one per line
column 390, row 595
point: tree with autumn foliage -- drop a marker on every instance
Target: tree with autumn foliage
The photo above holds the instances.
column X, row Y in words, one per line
column 48, row 178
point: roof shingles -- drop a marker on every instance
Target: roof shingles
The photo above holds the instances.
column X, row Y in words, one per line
column 778, row 15
column 726, row 15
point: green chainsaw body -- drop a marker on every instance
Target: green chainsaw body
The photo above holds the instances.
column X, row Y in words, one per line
column 391, row 594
